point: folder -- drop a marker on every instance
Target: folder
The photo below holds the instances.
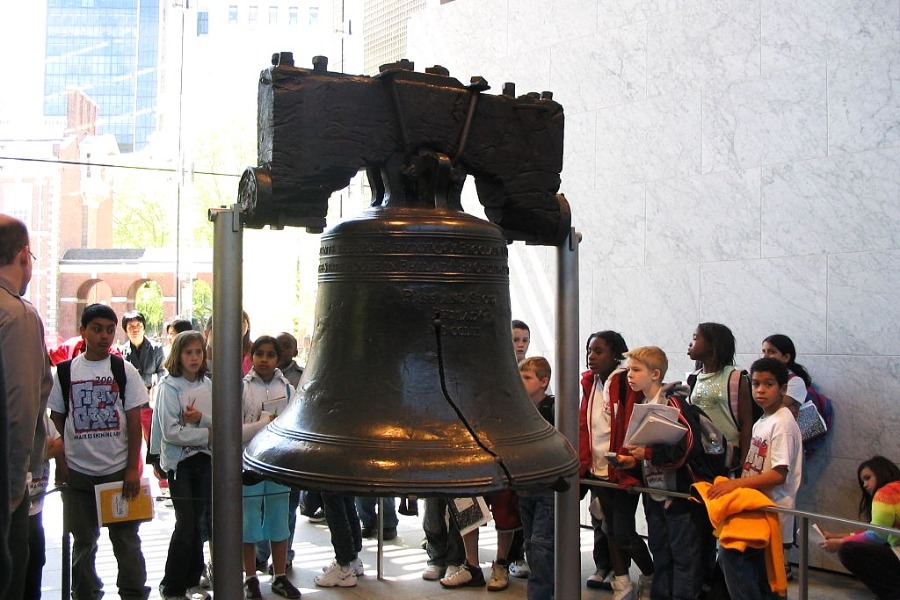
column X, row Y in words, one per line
column 655, row 429
column 112, row 507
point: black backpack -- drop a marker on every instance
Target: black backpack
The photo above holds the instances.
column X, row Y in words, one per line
column 64, row 374
column 710, row 455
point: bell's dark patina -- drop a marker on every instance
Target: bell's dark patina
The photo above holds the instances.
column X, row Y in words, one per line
column 412, row 385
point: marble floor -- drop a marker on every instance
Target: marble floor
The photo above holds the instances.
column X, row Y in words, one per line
column 404, row 560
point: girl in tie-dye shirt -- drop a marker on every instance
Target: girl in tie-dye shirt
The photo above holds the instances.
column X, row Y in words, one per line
column 874, row 556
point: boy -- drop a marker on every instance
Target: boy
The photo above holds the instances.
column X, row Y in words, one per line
column 773, row 466
column 101, row 431
column 674, row 524
column 536, row 509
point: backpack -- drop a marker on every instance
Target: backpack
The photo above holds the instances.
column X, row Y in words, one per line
column 710, row 455
column 815, row 418
column 64, row 374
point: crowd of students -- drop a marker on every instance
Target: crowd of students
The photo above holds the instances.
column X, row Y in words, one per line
column 98, row 401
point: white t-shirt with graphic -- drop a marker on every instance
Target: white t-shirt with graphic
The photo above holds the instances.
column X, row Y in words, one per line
column 776, row 442
column 96, row 437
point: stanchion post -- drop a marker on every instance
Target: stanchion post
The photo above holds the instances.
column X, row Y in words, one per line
column 567, row 581
column 804, row 558
column 227, row 463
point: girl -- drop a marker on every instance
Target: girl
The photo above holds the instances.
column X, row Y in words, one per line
column 781, row 347
column 873, row 556
column 712, row 347
column 265, row 393
column 181, row 433
column 606, row 405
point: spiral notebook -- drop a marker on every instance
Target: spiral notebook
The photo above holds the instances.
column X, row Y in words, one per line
column 112, row 507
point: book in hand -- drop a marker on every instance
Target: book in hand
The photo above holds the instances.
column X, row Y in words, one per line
column 469, row 513
column 112, row 507
column 654, row 424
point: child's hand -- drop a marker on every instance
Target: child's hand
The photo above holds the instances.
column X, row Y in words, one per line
column 831, row 545
column 638, row 452
column 723, row 488
column 626, row 461
column 132, row 483
column 191, row 415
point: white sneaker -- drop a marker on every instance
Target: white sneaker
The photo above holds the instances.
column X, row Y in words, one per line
column 432, row 573
column 499, row 577
column 519, row 569
column 198, row 593
column 622, row 588
column 358, row 568
column 337, row 575
column 645, row 583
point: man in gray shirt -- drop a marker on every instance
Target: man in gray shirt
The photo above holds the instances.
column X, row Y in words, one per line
column 26, row 386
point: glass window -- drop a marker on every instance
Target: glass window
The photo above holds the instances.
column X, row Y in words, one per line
column 313, row 16
column 292, row 15
column 273, row 15
column 232, row 14
column 251, row 15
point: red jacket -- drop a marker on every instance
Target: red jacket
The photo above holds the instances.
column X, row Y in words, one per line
column 623, row 399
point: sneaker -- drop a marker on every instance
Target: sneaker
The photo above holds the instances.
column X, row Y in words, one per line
column 519, row 569
column 357, row 565
column 600, row 580
column 622, row 588
column 465, row 576
column 283, row 587
column 369, row 532
column 251, row 589
column 337, row 575
column 390, row 533
column 262, row 566
column 317, row 517
column 499, row 577
column 645, row 583
column 433, row 572
column 206, row 577
column 197, row 593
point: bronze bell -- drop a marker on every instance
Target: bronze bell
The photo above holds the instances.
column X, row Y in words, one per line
column 412, row 385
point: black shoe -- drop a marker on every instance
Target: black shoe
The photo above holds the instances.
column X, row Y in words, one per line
column 317, row 517
column 288, row 566
column 409, row 506
column 283, row 587
column 251, row 589
column 262, row 566
column 368, row 532
column 390, row 533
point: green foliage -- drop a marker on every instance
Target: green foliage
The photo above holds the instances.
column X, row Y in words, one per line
column 143, row 210
column 202, row 301
column 149, row 301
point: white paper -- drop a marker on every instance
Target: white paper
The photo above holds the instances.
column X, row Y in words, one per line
column 656, row 430
column 642, row 411
column 200, row 398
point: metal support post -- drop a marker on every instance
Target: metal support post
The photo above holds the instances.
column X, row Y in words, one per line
column 804, row 559
column 227, row 462
column 567, row 581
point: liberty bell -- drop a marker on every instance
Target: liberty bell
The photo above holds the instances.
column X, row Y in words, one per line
column 411, row 386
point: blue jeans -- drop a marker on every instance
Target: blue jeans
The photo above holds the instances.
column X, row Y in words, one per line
column 343, row 522
column 80, row 513
column 444, row 544
column 263, row 550
column 191, row 488
column 745, row 574
column 674, row 539
column 537, row 514
column 366, row 505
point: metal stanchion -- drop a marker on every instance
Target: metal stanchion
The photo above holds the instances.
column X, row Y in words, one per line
column 567, row 581
column 227, row 501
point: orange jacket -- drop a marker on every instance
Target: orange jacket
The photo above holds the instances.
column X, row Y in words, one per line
column 739, row 524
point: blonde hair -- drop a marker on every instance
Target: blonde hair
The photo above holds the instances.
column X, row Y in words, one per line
column 651, row 356
column 538, row 364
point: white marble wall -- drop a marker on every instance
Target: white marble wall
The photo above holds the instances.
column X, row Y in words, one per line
column 726, row 160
